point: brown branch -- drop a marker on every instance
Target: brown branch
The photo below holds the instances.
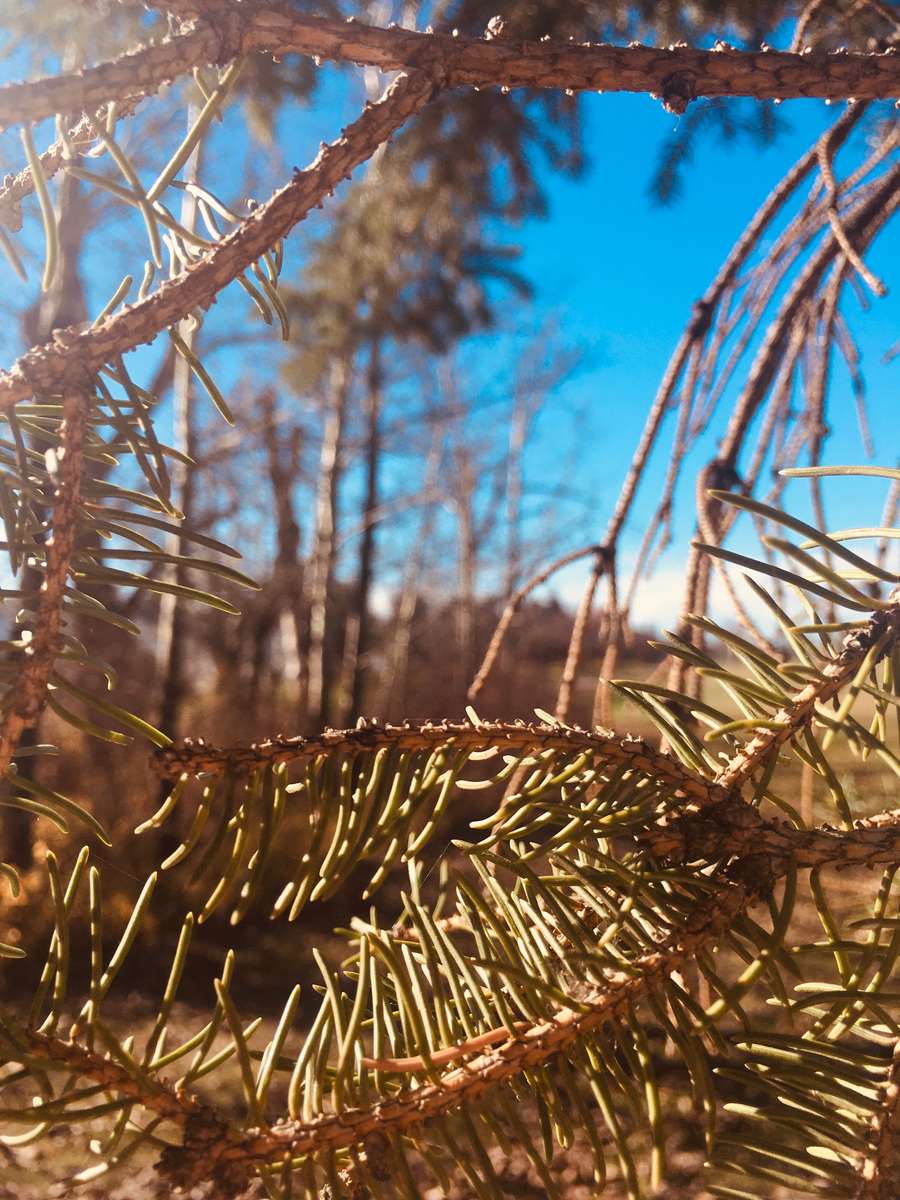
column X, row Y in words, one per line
column 733, row 829
column 137, row 73
column 676, row 74
column 880, row 1168
column 862, row 226
column 512, row 606
column 576, row 641
column 72, row 354
column 195, row 756
column 534, row 1045
column 30, row 689
column 867, row 219
column 799, row 711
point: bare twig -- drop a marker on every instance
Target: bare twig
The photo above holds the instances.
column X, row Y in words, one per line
column 513, row 604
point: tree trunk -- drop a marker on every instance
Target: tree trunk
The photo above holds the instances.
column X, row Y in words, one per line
column 320, row 658
column 171, row 629
column 360, row 624
column 283, row 454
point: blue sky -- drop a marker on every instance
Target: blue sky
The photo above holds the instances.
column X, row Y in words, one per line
column 617, row 273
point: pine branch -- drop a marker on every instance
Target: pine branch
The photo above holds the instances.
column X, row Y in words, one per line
column 733, row 829
column 72, row 354
column 195, row 756
column 79, row 139
column 30, row 689
column 139, row 72
column 677, row 74
column 880, row 1169
column 536, row 1044
column 795, row 716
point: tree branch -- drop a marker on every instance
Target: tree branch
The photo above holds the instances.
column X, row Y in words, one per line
column 880, row 1168
column 195, row 756
column 797, row 714
column 676, row 74
column 72, row 354
column 140, row 72
column 30, row 689
column 193, row 1163
column 733, row 829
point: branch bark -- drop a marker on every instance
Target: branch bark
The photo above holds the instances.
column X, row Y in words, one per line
column 72, row 354
column 196, row 755
column 676, row 74
column 800, row 711
column 30, row 689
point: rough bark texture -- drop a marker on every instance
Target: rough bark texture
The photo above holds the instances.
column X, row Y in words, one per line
column 30, row 689
column 676, row 74
column 196, row 755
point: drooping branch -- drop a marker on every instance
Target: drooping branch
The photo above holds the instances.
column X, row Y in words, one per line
column 692, row 338
column 512, row 606
column 676, row 74
column 30, row 688
column 72, row 354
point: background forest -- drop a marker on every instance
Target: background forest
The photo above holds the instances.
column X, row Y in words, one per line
column 473, row 407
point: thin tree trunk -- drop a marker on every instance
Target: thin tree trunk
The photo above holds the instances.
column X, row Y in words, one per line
column 360, row 624
column 467, row 550
column 171, row 628
column 284, row 464
column 517, row 429
column 320, row 667
column 395, row 691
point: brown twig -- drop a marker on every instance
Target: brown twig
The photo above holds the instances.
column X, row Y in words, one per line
column 576, row 641
column 512, row 606
column 799, row 711
column 195, row 756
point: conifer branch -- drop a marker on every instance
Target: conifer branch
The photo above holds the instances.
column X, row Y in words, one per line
column 796, row 715
column 139, row 72
column 734, row 828
column 72, row 354
column 676, row 74
column 30, row 689
column 195, row 756
column 79, row 139
column 880, row 1169
column 534, row 1045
